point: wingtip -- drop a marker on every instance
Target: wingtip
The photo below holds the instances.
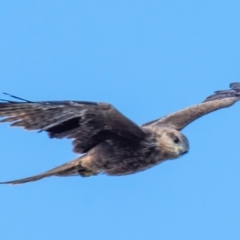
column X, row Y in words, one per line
column 234, row 91
column 9, row 183
column 235, row 85
column 13, row 96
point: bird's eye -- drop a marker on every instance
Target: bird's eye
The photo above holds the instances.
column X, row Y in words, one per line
column 176, row 140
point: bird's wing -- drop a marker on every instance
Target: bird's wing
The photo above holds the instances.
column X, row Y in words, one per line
column 72, row 168
column 180, row 119
column 88, row 123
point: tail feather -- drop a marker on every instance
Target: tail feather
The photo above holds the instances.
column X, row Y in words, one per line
column 68, row 169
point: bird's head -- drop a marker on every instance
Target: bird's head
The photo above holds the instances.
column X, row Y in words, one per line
column 172, row 143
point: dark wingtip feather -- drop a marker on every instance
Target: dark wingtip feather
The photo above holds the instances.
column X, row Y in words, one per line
column 11, row 183
column 233, row 92
column 235, row 85
column 12, row 96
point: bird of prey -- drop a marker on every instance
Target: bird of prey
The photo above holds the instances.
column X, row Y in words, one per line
column 109, row 142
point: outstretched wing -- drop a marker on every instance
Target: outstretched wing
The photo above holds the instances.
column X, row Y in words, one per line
column 88, row 123
column 180, row 119
column 72, row 168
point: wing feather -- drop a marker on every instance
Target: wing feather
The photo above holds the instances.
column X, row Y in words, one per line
column 180, row 119
column 88, row 123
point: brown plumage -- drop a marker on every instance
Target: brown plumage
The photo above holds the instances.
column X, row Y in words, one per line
column 111, row 143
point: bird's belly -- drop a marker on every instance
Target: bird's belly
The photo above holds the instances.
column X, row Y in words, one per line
column 118, row 160
column 130, row 166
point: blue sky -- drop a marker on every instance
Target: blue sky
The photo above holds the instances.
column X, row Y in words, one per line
column 147, row 58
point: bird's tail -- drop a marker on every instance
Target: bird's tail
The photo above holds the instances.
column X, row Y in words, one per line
column 71, row 168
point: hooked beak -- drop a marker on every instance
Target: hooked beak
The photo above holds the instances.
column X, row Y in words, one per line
column 181, row 151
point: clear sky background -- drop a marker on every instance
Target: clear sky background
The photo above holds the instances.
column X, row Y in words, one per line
column 147, row 58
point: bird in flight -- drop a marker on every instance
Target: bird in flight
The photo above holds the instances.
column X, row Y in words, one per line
column 109, row 142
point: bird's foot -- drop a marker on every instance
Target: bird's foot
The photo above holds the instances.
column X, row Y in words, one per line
column 86, row 173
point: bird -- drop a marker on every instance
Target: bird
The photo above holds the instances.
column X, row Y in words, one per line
column 107, row 141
